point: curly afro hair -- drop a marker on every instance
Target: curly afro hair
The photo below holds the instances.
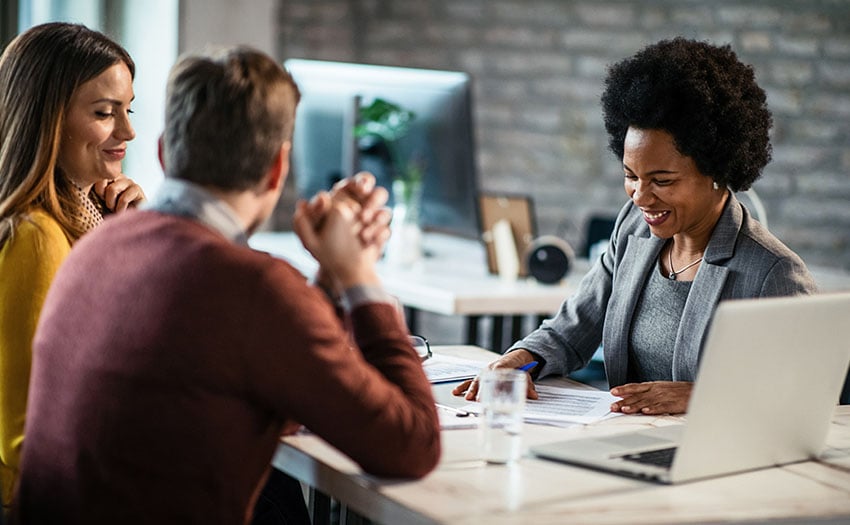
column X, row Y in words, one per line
column 703, row 96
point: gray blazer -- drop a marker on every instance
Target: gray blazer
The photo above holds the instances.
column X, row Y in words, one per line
column 742, row 260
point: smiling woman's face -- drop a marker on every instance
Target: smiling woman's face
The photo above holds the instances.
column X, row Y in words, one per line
column 673, row 194
column 97, row 127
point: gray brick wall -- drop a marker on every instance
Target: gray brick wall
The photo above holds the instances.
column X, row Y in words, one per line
column 538, row 67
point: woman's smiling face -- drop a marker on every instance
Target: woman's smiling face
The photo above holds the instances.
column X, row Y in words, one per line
column 667, row 186
column 97, row 127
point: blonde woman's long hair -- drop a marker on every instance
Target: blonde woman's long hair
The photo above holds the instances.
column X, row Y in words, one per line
column 39, row 72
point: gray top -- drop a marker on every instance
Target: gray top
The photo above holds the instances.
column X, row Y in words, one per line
column 656, row 322
column 742, row 260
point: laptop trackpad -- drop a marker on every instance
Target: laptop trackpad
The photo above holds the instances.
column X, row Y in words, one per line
column 644, row 440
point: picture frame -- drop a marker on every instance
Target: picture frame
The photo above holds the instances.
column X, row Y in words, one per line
column 518, row 210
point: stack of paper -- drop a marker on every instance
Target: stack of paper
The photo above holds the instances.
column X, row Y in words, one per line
column 560, row 405
column 563, row 406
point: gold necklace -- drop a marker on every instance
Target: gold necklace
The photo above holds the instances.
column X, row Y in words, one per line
column 674, row 273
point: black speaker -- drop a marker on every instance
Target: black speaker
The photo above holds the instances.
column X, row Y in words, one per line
column 549, row 259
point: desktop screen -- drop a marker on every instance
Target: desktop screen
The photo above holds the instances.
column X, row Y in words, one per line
column 440, row 135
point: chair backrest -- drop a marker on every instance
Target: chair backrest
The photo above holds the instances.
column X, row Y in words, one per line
column 754, row 203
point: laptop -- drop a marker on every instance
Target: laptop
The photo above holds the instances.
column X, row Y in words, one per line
column 768, row 382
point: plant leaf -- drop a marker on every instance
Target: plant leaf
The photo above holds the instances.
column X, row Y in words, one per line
column 384, row 119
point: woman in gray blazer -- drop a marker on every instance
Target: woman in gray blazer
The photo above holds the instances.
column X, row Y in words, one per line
column 691, row 126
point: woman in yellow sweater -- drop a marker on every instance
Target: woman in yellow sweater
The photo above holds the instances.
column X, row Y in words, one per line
column 65, row 94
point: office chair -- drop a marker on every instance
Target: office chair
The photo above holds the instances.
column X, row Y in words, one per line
column 753, row 203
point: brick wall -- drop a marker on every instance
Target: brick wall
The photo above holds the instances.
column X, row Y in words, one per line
column 538, row 67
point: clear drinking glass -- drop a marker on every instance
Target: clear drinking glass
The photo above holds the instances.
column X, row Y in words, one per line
column 502, row 396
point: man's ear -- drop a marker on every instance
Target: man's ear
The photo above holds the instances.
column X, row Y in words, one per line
column 159, row 153
column 279, row 169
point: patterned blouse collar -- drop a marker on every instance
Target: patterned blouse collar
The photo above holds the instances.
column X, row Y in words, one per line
column 91, row 211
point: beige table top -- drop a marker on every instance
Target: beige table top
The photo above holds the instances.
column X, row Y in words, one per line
column 465, row 490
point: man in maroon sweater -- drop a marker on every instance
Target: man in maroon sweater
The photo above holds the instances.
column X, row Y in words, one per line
column 170, row 356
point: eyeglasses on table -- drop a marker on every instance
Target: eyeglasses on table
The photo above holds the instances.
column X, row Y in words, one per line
column 420, row 344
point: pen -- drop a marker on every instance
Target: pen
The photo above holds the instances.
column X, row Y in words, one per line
column 458, row 412
column 529, row 366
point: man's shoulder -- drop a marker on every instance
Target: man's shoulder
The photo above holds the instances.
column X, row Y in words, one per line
column 151, row 228
column 185, row 241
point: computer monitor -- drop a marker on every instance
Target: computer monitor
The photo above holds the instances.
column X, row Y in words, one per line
column 440, row 135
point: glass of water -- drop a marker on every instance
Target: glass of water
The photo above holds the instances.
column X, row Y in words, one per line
column 502, row 396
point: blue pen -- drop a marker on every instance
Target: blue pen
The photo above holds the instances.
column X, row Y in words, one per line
column 529, row 366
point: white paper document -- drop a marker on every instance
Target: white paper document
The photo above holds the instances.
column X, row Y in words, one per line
column 443, row 368
column 560, row 405
column 568, row 405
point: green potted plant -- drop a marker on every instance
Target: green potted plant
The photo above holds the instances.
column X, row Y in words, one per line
column 381, row 127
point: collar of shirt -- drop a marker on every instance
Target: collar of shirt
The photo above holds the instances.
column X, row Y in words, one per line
column 186, row 199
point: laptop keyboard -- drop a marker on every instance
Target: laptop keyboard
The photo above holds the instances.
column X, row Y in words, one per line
column 659, row 458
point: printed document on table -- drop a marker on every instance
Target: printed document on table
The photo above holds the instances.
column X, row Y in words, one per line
column 561, row 405
column 444, row 368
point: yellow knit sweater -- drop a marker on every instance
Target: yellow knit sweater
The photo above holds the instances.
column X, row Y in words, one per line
column 28, row 261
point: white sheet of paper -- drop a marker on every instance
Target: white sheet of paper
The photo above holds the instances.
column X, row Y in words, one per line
column 443, row 368
column 559, row 405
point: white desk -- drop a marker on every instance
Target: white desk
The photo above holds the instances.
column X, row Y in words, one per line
column 464, row 490
column 451, row 280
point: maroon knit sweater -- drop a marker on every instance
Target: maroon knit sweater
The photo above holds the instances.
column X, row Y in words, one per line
column 168, row 361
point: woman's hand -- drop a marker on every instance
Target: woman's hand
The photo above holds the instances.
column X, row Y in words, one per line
column 654, row 397
column 515, row 359
column 119, row 193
